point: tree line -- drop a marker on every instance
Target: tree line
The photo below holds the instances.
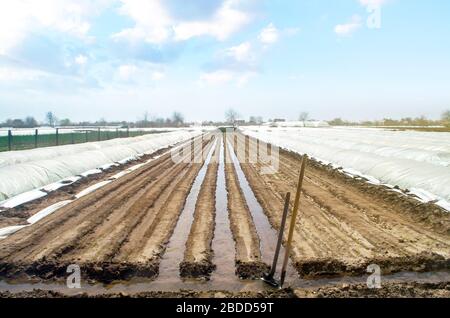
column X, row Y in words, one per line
column 232, row 117
column 421, row 121
column 51, row 120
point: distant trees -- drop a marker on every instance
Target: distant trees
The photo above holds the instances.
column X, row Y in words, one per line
column 420, row 121
column 176, row 120
column 256, row 120
column 304, row 116
column 28, row 122
column 65, row 122
column 231, row 116
column 337, row 122
column 446, row 118
column 101, row 122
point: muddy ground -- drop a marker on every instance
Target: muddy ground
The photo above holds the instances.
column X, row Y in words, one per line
column 122, row 230
column 388, row 290
column 343, row 227
column 113, row 233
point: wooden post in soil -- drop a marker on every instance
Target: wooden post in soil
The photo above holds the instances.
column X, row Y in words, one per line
column 293, row 218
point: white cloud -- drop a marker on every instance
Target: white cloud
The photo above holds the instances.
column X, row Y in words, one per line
column 240, row 53
column 9, row 74
column 227, row 76
column 81, row 59
column 152, row 21
column 157, row 76
column 139, row 74
column 217, row 77
column 367, row 3
column 226, row 21
column 155, row 24
column 244, row 78
column 269, row 35
column 126, row 72
column 347, row 29
column 20, row 17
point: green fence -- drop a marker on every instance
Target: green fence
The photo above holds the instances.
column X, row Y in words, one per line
column 62, row 136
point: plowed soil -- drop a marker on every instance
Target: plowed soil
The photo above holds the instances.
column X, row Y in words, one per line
column 113, row 233
column 121, row 231
column 341, row 228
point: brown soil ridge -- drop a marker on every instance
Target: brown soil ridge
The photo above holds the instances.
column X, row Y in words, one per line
column 197, row 262
column 248, row 254
column 98, row 231
column 341, row 230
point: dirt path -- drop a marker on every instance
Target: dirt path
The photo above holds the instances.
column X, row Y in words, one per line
column 342, row 229
column 198, row 254
column 248, row 255
column 115, row 232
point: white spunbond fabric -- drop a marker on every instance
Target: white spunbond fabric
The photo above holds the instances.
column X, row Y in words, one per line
column 23, row 198
column 22, row 171
column 47, row 211
column 407, row 159
column 6, row 231
column 11, row 158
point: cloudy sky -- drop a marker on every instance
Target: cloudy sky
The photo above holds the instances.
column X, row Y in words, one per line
column 116, row 59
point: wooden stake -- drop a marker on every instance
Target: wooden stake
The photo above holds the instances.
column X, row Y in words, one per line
column 293, row 219
column 280, row 235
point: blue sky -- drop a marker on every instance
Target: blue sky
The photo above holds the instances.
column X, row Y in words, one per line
column 116, row 59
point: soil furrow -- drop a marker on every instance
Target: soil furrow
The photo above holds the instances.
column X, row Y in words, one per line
column 248, row 254
column 197, row 260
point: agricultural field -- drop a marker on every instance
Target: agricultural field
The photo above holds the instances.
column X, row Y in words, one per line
column 207, row 222
column 28, row 139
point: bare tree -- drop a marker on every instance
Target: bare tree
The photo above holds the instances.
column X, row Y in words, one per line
column 231, row 116
column 303, row 117
column 51, row 119
column 177, row 118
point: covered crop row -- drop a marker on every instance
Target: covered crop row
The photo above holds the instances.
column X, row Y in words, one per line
column 410, row 160
column 22, row 171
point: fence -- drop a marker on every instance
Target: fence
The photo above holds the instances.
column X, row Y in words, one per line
column 36, row 138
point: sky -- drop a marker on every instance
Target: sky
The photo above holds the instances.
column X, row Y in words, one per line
column 117, row 59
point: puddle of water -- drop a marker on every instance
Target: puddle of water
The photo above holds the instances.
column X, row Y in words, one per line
column 267, row 234
column 173, row 256
column 223, row 246
column 223, row 243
